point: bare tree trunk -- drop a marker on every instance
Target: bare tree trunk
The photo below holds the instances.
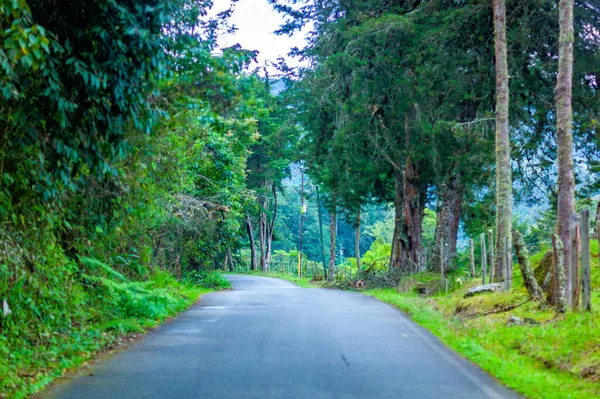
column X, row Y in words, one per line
column 332, row 242
column 253, row 261
column 503, row 168
column 450, row 202
column 564, row 118
column 357, row 242
column 533, row 288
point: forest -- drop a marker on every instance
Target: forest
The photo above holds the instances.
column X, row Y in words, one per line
column 440, row 155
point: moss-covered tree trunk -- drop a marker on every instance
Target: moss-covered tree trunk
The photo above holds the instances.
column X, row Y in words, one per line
column 560, row 291
column 503, row 168
column 564, row 118
column 528, row 277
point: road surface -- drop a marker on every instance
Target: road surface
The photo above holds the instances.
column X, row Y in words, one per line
column 268, row 338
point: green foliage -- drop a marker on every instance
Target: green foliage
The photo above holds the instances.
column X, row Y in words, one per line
column 377, row 257
column 212, row 279
column 123, row 153
column 97, row 312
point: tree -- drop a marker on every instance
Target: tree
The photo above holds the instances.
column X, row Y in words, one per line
column 269, row 162
column 503, row 166
column 564, row 135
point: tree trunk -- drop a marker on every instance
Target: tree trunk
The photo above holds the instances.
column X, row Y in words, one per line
column 597, row 223
column 301, row 227
column 535, row 292
column 483, row 257
column 321, row 233
column 357, row 242
column 564, row 136
column 450, row 202
column 491, row 254
column 230, row 259
column 559, row 275
column 503, row 168
column 262, row 237
column 271, row 228
column 253, row 262
column 399, row 245
column 332, row 242
column 414, row 209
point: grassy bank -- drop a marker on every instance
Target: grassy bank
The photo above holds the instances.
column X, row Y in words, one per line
column 557, row 356
column 31, row 359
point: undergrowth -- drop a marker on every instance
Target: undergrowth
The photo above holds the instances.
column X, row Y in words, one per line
column 63, row 320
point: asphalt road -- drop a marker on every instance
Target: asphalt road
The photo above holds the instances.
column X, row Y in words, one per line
column 267, row 338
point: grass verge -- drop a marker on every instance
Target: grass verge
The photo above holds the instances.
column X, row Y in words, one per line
column 28, row 365
column 556, row 357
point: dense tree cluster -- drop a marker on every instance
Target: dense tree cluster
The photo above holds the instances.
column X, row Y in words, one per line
column 402, row 98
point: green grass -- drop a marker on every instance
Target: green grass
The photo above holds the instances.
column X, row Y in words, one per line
column 559, row 358
column 27, row 365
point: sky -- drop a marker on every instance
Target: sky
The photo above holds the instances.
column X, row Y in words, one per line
column 256, row 21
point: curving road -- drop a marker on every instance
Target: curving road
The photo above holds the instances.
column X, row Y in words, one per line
column 267, row 338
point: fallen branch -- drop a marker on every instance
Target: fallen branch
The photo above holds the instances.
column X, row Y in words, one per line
column 501, row 310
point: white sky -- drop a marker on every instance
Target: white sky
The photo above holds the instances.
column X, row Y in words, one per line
column 256, row 21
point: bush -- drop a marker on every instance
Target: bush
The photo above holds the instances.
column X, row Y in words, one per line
column 208, row 279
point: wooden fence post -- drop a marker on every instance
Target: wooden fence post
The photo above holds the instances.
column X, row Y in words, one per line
column 491, row 257
column 506, row 261
column 472, row 258
column 586, row 300
column 483, row 257
column 573, row 263
column 442, row 267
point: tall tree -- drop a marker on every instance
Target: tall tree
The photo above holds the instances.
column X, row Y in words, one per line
column 503, row 167
column 564, row 135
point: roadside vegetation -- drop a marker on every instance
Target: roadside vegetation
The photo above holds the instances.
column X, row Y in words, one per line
column 541, row 354
column 117, row 313
column 123, row 151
